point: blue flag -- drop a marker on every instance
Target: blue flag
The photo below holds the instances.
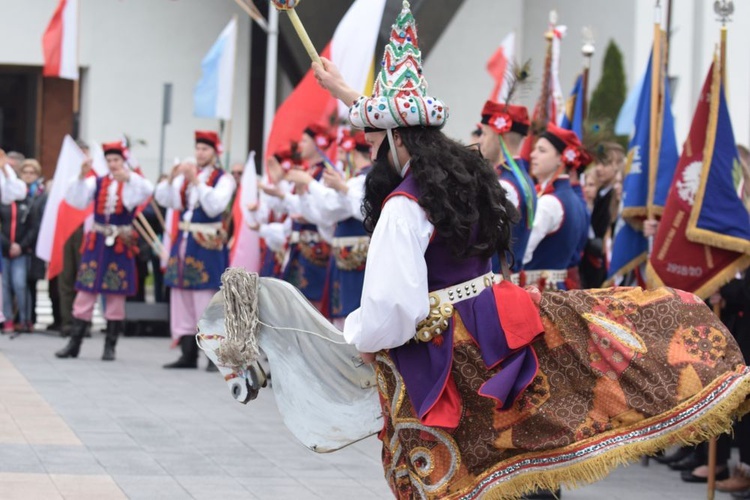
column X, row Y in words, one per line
column 630, row 247
column 703, row 239
column 626, row 117
column 639, row 175
column 718, row 217
column 572, row 119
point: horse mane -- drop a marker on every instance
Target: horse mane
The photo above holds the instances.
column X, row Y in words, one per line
column 240, row 292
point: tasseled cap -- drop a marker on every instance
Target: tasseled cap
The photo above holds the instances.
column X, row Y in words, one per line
column 503, row 118
column 399, row 97
column 209, row 137
column 567, row 143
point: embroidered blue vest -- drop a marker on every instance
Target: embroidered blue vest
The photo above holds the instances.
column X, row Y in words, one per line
column 585, row 235
column 346, row 272
column 520, row 232
column 556, row 250
column 204, row 261
column 308, row 259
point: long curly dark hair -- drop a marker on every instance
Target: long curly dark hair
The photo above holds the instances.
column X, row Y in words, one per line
column 458, row 188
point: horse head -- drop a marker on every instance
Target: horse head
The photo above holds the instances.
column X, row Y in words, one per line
column 245, row 382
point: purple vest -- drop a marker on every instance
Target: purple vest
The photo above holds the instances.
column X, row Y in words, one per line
column 443, row 269
column 426, row 367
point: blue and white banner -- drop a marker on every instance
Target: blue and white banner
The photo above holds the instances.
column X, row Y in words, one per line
column 212, row 97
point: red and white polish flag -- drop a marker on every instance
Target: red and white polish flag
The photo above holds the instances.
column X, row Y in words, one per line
column 499, row 66
column 60, row 42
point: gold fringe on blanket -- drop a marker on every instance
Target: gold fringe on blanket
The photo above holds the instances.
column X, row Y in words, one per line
column 717, row 417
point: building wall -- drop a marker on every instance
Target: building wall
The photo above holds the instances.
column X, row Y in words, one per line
column 456, row 66
column 606, row 20
column 695, row 37
column 129, row 49
column 456, row 70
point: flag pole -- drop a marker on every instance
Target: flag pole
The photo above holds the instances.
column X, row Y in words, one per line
column 77, row 82
column 272, row 59
column 723, row 9
column 549, row 35
column 656, row 80
column 254, row 14
column 228, row 137
column 588, row 51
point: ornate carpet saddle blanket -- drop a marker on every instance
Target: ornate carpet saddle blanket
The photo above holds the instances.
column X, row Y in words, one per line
column 621, row 373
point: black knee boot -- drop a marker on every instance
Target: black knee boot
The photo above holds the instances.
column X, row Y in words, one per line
column 189, row 357
column 77, row 330
column 114, row 328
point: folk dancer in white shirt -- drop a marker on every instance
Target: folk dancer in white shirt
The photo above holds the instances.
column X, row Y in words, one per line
column 560, row 221
column 338, row 201
column 200, row 190
column 108, row 260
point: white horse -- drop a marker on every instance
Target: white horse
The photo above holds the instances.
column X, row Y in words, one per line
column 326, row 395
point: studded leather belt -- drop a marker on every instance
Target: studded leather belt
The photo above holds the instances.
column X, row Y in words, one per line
column 442, row 301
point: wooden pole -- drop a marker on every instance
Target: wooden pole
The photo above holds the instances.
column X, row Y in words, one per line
column 711, row 469
column 77, row 82
column 544, row 111
column 723, row 58
column 142, row 219
column 587, row 50
column 254, row 14
column 157, row 245
column 656, row 81
column 303, row 36
column 159, row 216
column 228, row 136
column 724, row 9
column 668, row 30
column 585, row 88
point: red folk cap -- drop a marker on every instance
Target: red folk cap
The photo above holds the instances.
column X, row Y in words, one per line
column 567, row 143
column 504, row 118
column 114, row 148
column 349, row 142
column 320, row 134
column 285, row 157
column 209, row 137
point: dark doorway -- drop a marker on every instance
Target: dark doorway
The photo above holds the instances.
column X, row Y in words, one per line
column 18, row 108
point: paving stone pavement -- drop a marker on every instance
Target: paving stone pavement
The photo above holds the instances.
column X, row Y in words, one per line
column 87, row 429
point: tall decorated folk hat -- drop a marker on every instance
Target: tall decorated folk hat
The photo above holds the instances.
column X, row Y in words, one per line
column 567, row 143
column 210, row 138
column 399, row 96
column 503, row 118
